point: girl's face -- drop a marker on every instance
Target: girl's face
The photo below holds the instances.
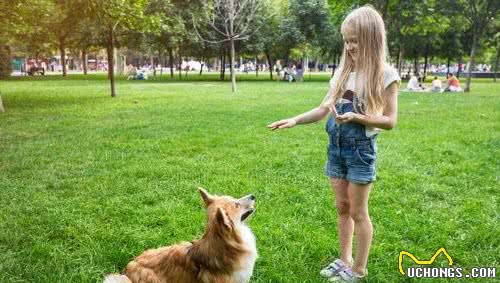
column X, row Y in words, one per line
column 351, row 43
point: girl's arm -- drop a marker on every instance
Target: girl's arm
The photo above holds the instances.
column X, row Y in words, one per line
column 312, row 116
column 388, row 119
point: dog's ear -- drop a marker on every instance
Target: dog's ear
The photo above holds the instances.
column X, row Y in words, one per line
column 207, row 198
column 222, row 218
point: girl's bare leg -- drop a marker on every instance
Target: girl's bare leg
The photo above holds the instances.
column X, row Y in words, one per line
column 358, row 200
column 345, row 222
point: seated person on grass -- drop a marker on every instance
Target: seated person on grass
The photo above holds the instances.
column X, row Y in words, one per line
column 453, row 83
column 436, row 85
column 132, row 72
column 141, row 75
column 413, row 84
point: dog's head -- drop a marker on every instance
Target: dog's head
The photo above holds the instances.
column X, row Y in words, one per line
column 226, row 210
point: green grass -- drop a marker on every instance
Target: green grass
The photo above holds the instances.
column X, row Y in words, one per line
column 87, row 182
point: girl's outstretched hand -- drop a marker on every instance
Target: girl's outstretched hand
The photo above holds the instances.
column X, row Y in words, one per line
column 282, row 124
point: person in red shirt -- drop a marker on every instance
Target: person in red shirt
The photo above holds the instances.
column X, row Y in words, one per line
column 453, row 83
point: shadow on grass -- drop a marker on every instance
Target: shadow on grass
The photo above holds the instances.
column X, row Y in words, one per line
column 34, row 101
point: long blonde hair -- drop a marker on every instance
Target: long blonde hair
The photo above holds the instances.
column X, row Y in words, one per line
column 370, row 60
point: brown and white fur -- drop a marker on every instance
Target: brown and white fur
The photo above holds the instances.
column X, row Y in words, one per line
column 226, row 253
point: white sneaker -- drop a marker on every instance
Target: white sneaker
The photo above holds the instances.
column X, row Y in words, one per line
column 348, row 276
column 333, row 268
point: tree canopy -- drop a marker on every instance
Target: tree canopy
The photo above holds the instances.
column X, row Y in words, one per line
column 443, row 31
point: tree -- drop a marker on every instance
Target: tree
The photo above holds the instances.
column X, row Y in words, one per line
column 188, row 43
column 172, row 26
column 5, row 62
column 415, row 29
column 479, row 13
column 5, row 67
column 312, row 20
column 231, row 19
column 267, row 39
column 494, row 40
column 116, row 15
column 267, row 23
column 1, row 105
column 450, row 45
column 312, row 17
column 85, row 35
column 64, row 17
column 19, row 24
column 9, row 11
column 290, row 36
column 329, row 43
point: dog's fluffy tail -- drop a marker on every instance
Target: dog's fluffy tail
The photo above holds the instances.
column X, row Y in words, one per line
column 116, row 278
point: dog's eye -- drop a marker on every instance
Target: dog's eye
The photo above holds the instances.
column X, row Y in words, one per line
column 237, row 204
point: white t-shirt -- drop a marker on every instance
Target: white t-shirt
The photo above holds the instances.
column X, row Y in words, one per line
column 436, row 83
column 390, row 75
column 413, row 84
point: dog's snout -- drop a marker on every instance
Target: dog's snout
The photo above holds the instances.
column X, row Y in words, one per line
column 252, row 197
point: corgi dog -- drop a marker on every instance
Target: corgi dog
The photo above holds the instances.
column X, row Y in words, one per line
column 225, row 254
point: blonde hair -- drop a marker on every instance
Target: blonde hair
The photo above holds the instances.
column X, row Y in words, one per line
column 370, row 60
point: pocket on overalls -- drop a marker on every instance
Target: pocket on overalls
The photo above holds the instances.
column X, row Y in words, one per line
column 365, row 154
column 330, row 126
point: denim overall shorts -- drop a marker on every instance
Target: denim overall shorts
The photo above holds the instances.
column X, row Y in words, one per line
column 351, row 154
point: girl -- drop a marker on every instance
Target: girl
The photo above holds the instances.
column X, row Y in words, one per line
column 362, row 100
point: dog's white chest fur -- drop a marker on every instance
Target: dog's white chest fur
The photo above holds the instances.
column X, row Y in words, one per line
column 243, row 275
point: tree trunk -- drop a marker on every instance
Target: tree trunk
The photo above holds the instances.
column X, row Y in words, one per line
column 5, row 62
column 179, row 67
column 415, row 65
column 1, row 105
column 84, row 60
column 111, row 63
column 152, row 63
column 160, row 63
column 63, row 55
column 165, row 62
column 305, row 67
column 171, row 62
column 426, row 56
column 471, row 61
column 223, row 64
column 256, row 66
column 448, row 67
column 271, row 65
column 496, row 63
column 401, row 54
column 5, row 67
column 233, row 75
column 201, row 66
column 287, row 55
column 459, row 67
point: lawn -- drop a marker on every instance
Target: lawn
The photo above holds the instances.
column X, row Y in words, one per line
column 87, row 181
